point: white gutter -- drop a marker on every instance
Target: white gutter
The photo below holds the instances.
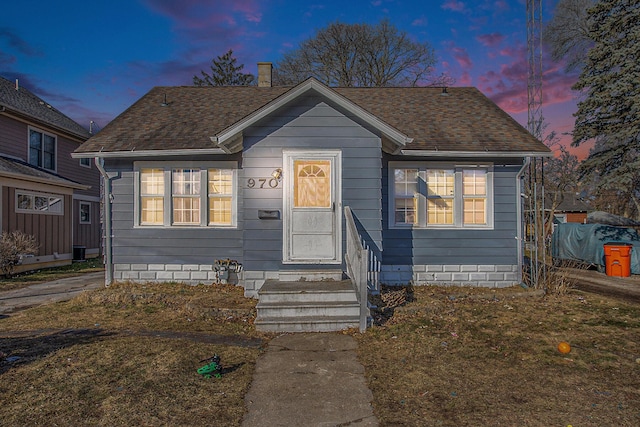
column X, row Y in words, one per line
column 525, row 165
column 145, row 153
column 449, row 153
column 107, row 221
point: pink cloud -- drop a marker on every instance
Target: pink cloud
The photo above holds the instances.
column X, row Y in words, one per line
column 15, row 41
column 453, row 5
column 465, row 79
column 500, row 6
column 462, row 57
column 508, row 86
column 192, row 14
column 509, row 51
column 419, row 22
column 490, row 40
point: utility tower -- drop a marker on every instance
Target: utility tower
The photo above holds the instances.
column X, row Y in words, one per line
column 534, row 230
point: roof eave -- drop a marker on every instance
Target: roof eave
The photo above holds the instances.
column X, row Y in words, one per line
column 66, row 184
column 145, row 153
column 449, row 153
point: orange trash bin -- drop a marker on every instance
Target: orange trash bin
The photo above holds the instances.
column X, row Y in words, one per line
column 617, row 259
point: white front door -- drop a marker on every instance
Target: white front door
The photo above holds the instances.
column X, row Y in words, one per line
column 312, row 194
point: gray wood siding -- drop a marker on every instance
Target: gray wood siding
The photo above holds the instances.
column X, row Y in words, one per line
column 308, row 124
column 170, row 245
column 442, row 246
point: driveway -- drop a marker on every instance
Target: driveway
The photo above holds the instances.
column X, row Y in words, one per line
column 44, row 293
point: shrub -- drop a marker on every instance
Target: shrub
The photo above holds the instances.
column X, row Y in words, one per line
column 14, row 246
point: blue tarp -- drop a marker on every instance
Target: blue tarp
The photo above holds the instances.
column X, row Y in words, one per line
column 585, row 242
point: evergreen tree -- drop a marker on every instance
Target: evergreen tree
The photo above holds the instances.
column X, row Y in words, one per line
column 609, row 113
column 225, row 72
column 567, row 33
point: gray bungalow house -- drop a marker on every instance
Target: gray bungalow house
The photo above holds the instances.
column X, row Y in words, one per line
column 285, row 188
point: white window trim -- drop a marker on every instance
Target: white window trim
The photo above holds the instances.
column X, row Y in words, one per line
column 55, row 148
column 421, row 213
column 36, row 211
column 167, row 168
column 88, row 166
column 80, row 204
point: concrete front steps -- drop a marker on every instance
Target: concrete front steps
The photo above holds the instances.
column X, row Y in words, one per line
column 305, row 306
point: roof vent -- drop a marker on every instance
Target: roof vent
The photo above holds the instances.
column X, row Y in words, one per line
column 444, row 91
column 165, row 103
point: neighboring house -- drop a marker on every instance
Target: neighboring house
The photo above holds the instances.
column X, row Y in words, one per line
column 43, row 191
column 263, row 176
column 568, row 207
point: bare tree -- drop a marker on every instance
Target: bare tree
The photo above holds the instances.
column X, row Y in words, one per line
column 365, row 55
column 568, row 32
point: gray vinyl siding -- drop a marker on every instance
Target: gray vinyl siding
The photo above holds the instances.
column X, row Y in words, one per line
column 459, row 246
column 309, row 124
column 168, row 245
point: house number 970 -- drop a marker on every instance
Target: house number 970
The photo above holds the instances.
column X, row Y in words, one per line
column 262, row 183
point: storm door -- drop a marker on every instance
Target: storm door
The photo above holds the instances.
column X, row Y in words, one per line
column 312, row 221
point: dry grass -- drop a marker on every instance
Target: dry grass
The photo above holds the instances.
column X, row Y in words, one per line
column 128, row 355
column 472, row 357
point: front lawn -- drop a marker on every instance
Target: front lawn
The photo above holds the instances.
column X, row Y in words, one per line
column 128, row 355
column 475, row 357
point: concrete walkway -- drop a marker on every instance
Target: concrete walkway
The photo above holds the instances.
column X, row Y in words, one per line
column 44, row 293
column 311, row 379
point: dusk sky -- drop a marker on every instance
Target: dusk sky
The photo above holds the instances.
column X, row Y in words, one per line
column 93, row 59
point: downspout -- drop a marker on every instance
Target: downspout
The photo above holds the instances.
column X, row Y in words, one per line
column 525, row 165
column 99, row 161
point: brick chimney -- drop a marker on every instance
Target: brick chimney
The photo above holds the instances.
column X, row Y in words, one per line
column 264, row 74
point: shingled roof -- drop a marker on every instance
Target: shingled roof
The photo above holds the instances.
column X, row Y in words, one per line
column 24, row 103
column 16, row 168
column 187, row 117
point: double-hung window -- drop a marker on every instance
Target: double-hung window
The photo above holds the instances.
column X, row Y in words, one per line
column 441, row 195
column 151, row 196
column 186, row 195
column 185, row 186
column 220, row 189
column 42, row 149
